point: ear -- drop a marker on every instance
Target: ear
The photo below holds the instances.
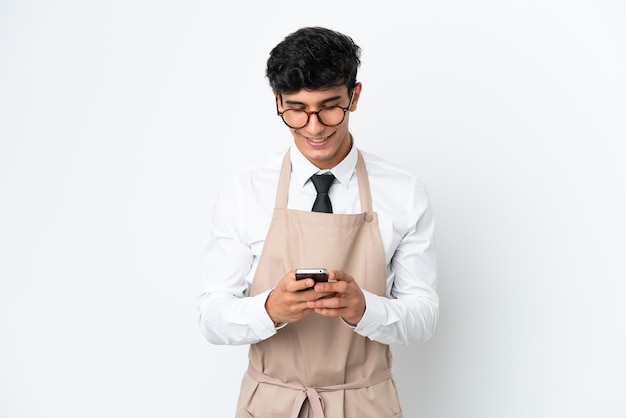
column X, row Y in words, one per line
column 357, row 94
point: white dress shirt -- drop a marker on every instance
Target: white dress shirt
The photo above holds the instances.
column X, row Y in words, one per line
column 242, row 216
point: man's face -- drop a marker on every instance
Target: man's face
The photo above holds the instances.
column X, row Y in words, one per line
column 325, row 146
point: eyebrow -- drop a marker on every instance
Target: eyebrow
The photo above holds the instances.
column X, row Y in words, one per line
column 296, row 103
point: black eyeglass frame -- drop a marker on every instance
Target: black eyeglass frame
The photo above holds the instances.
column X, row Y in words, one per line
column 316, row 113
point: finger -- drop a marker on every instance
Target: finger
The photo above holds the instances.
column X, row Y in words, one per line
column 330, row 312
column 332, row 287
column 300, row 285
column 339, row 275
column 327, row 303
column 293, row 285
column 335, row 275
column 313, row 296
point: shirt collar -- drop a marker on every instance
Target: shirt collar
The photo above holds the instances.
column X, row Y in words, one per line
column 302, row 169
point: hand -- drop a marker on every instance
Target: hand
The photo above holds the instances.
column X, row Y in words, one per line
column 342, row 297
column 288, row 301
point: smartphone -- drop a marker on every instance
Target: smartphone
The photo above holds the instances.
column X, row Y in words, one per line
column 319, row 275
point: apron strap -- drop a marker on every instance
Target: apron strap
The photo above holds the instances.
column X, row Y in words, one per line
column 282, row 191
column 365, row 194
column 312, row 393
column 364, row 185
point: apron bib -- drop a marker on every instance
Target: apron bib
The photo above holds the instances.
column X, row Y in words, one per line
column 318, row 366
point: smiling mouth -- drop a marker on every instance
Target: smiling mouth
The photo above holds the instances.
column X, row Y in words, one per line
column 318, row 140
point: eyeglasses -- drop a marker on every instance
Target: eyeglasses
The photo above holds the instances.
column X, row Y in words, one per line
column 328, row 116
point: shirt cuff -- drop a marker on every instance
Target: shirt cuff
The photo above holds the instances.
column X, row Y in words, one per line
column 346, row 323
column 374, row 316
column 264, row 327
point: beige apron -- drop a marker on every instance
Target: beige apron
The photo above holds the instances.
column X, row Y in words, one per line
column 319, row 367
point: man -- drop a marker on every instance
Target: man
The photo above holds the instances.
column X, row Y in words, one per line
column 320, row 349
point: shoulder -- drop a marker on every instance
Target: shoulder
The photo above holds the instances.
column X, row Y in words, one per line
column 385, row 172
column 250, row 191
column 256, row 175
column 395, row 189
column 246, row 198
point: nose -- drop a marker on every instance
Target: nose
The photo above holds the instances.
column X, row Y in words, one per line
column 314, row 126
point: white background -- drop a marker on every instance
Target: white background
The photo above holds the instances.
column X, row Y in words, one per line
column 119, row 121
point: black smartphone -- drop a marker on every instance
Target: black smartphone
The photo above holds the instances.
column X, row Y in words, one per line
column 319, row 275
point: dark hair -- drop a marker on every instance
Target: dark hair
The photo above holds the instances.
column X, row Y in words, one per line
column 313, row 58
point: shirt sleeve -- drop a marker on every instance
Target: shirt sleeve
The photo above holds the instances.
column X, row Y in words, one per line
column 227, row 314
column 409, row 314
